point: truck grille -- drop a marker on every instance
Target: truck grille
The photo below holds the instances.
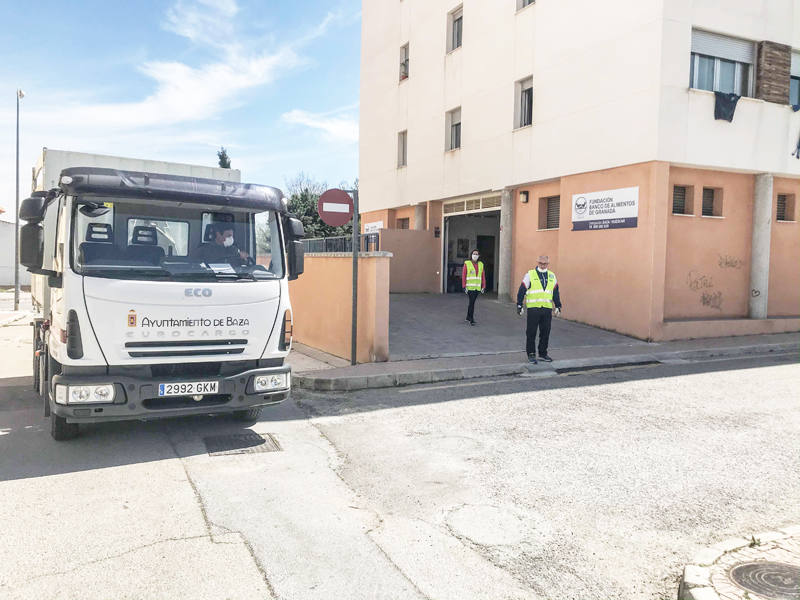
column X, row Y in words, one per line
column 172, row 402
column 177, row 348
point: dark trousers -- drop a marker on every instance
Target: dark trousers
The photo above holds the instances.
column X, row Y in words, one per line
column 538, row 318
column 473, row 295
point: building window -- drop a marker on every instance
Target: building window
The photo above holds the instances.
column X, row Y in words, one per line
column 402, row 148
column 712, row 202
column 453, row 129
column 523, row 105
column 404, row 63
column 682, row 200
column 549, row 212
column 455, row 29
column 794, row 83
column 523, row 3
column 785, row 207
column 402, row 223
column 721, row 64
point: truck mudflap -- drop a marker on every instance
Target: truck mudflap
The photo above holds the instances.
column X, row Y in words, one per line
column 136, row 398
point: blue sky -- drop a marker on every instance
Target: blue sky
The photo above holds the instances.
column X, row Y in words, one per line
column 274, row 81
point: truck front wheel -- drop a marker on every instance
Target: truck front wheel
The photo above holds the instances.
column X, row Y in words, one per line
column 250, row 414
column 60, row 429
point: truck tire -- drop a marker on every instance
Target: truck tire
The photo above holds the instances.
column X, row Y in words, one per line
column 61, row 430
column 36, row 372
column 251, row 414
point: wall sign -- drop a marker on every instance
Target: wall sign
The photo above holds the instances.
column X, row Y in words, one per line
column 373, row 227
column 610, row 209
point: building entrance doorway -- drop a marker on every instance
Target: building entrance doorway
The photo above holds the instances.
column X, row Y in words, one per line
column 465, row 233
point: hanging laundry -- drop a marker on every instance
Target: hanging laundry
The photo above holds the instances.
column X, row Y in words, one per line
column 725, row 106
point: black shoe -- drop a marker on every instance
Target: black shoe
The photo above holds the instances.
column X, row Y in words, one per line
column 545, row 358
column 472, row 322
column 532, row 359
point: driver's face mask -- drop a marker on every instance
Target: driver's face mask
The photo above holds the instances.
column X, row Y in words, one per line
column 228, row 242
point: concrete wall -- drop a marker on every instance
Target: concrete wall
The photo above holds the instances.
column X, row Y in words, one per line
column 414, row 267
column 784, row 270
column 708, row 258
column 7, row 257
column 321, row 304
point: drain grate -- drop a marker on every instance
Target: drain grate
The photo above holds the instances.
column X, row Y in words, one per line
column 241, row 443
column 773, row 580
column 597, row 369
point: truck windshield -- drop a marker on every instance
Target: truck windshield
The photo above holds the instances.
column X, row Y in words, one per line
column 123, row 239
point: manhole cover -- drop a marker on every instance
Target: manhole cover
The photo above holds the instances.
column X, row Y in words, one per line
column 241, row 443
column 774, row 580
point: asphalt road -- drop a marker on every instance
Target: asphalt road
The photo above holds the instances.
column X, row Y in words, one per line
column 590, row 486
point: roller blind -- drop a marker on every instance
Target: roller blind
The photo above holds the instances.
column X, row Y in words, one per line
column 722, row 46
column 795, row 64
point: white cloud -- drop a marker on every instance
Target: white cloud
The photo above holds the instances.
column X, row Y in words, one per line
column 343, row 128
column 179, row 117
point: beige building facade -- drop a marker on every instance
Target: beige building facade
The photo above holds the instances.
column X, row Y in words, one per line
column 587, row 131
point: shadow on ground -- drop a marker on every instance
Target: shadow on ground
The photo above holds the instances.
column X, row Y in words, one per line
column 27, row 449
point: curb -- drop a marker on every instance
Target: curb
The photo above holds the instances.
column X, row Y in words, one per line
column 346, row 383
column 696, row 579
column 15, row 319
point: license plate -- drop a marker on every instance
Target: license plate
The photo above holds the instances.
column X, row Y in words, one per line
column 188, row 388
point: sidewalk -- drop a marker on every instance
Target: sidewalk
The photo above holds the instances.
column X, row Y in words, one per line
column 765, row 566
column 409, row 372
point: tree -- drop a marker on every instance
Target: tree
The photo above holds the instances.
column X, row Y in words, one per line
column 224, row 160
column 304, row 193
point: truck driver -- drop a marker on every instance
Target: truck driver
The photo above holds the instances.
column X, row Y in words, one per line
column 221, row 248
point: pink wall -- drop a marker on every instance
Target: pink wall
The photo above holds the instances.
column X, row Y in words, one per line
column 321, row 304
column 708, row 258
column 784, row 270
column 614, row 278
column 414, row 267
column 529, row 242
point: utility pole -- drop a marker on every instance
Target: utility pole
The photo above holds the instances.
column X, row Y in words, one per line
column 20, row 96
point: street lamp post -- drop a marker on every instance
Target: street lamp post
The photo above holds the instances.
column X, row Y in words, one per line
column 20, row 96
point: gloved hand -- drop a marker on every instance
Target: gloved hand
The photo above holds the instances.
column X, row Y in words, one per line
column 465, row 291
column 557, row 312
column 482, row 290
column 519, row 309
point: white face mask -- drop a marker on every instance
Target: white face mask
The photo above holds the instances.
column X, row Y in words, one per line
column 228, row 242
column 541, row 270
column 474, row 257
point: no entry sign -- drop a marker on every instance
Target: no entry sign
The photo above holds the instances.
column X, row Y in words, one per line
column 335, row 207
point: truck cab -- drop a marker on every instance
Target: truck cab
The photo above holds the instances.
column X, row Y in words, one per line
column 165, row 296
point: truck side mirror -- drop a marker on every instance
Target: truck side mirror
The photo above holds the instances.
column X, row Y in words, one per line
column 296, row 230
column 32, row 209
column 296, row 254
column 31, row 245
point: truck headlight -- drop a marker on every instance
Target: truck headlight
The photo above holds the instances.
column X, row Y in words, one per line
column 266, row 383
column 84, row 394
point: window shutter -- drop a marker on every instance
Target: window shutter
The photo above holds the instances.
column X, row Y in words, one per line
column 553, row 212
column 679, row 200
column 722, row 46
column 708, row 202
column 781, row 216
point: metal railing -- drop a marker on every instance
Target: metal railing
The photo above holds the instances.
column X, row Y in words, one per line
column 369, row 242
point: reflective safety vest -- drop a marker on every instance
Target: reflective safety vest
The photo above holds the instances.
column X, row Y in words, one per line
column 537, row 297
column 474, row 279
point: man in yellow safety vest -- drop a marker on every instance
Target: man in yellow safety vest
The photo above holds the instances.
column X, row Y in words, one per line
column 473, row 280
column 539, row 290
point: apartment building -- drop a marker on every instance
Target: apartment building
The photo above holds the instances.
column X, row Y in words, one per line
column 586, row 130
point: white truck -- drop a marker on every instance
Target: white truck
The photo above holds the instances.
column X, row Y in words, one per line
column 165, row 295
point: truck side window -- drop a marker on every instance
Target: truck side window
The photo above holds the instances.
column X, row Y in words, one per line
column 61, row 236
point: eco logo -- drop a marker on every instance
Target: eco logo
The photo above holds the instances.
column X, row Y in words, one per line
column 131, row 318
column 580, row 205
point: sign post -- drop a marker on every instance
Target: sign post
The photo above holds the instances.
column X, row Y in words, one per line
column 336, row 208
